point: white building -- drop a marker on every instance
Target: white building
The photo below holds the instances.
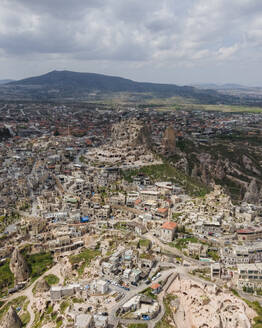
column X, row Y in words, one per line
column 101, row 321
column 250, row 275
column 99, row 286
column 83, row 321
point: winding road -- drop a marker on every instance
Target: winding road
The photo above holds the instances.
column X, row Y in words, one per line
column 114, row 320
column 28, row 292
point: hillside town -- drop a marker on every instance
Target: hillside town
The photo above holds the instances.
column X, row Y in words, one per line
column 104, row 222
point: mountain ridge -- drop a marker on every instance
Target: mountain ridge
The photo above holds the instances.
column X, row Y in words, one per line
column 5, row 81
column 76, row 84
column 224, row 86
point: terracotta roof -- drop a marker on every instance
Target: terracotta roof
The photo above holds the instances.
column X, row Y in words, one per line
column 162, row 210
column 245, row 231
column 169, row 225
column 155, row 285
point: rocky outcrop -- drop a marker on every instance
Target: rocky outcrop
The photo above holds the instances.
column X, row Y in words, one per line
column 169, row 140
column 252, row 193
column 42, row 286
column 11, row 319
column 219, row 171
column 144, row 137
column 249, row 165
column 206, row 306
column 205, row 177
column 182, row 165
column 19, row 267
column 194, row 171
column 127, row 132
column 247, row 162
column 239, row 174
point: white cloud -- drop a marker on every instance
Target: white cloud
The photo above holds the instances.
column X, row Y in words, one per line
column 140, row 34
column 227, row 52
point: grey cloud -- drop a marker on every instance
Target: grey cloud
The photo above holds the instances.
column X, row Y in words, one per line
column 62, row 9
column 166, row 34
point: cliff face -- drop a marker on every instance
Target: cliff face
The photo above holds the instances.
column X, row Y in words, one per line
column 19, row 267
column 11, row 319
column 235, row 166
column 252, row 194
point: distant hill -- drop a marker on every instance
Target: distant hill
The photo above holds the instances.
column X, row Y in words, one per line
column 226, row 86
column 67, row 84
column 97, row 82
column 5, row 81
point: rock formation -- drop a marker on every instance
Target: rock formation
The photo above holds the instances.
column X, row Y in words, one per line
column 169, row 140
column 252, row 193
column 19, row 267
column 144, row 137
column 219, row 170
column 206, row 306
column 11, row 319
column 126, row 132
column 42, row 286
column 240, row 175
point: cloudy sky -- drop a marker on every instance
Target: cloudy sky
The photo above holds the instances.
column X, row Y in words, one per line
column 173, row 41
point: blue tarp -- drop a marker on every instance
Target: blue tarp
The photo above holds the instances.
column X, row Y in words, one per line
column 84, row 219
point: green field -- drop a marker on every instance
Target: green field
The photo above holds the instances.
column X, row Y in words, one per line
column 182, row 243
column 51, row 279
column 180, row 103
column 144, row 243
column 220, row 108
column 84, row 258
column 6, row 278
column 38, row 264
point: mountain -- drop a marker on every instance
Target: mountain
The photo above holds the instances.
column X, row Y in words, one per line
column 214, row 86
column 252, row 95
column 96, row 82
column 67, row 84
column 5, row 81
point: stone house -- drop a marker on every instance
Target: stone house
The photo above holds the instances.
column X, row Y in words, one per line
column 168, row 231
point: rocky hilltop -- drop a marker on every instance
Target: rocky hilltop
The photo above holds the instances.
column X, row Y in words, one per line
column 11, row 319
column 19, row 267
column 232, row 162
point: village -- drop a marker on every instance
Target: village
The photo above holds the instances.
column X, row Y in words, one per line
column 95, row 233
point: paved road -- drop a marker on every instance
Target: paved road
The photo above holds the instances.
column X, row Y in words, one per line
column 113, row 319
column 249, row 297
column 28, row 292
